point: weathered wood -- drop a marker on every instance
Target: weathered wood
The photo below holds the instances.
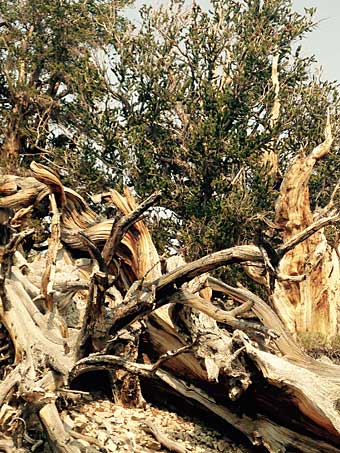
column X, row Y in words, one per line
column 260, row 431
column 309, row 305
column 47, row 281
column 209, row 355
column 60, row 441
column 120, row 227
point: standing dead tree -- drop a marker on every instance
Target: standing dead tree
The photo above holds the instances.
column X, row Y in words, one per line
column 101, row 298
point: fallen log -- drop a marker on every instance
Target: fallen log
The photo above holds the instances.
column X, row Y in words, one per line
column 130, row 315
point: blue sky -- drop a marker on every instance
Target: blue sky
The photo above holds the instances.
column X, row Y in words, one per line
column 323, row 42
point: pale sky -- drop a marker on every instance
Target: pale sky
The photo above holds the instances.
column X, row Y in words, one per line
column 323, row 42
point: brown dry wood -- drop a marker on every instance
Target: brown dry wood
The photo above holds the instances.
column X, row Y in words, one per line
column 51, row 179
column 60, row 440
column 259, row 430
column 100, row 281
column 93, row 308
column 332, row 218
column 7, row 445
column 6, row 257
column 152, row 295
column 285, row 342
column 42, row 361
column 94, row 252
column 311, row 304
column 186, row 272
column 224, row 317
column 28, row 190
column 47, row 281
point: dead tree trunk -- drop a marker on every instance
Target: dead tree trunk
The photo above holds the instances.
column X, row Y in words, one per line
column 158, row 320
column 311, row 304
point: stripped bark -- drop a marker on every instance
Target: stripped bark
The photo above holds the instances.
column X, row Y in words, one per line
column 309, row 305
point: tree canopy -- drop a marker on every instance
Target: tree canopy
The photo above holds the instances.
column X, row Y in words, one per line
column 208, row 106
column 49, row 80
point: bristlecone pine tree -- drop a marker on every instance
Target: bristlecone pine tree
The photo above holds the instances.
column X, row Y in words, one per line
column 216, row 110
column 212, row 108
column 229, row 126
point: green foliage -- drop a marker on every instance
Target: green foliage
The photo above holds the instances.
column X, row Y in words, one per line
column 318, row 346
column 193, row 113
column 50, row 83
column 182, row 102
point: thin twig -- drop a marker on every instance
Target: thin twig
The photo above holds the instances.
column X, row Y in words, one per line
column 170, row 354
column 169, row 444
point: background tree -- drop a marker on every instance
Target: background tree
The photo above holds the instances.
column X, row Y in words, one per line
column 185, row 102
column 50, row 85
column 199, row 115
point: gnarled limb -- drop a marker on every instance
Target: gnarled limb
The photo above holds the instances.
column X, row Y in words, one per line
column 260, row 431
column 309, row 305
column 120, row 227
column 225, row 317
column 153, row 295
column 332, row 218
column 184, row 335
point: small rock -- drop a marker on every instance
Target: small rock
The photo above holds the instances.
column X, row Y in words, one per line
column 152, row 445
column 179, row 435
column 83, row 442
column 68, row 421
column 102, row 437
column 221, row 446
column 108, row 425
column 98, row 419
column 79, row 419
column 103, row 413
column 110, row 445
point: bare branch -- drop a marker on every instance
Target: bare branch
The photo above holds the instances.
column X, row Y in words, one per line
column 182, row 274
column 186, row 298
column 170, row 354
column 121, row 227
column 152, row 295
column 93, row 251
column 47, row 280
column 324, row 147
column 307, row 232
column 275, row 113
